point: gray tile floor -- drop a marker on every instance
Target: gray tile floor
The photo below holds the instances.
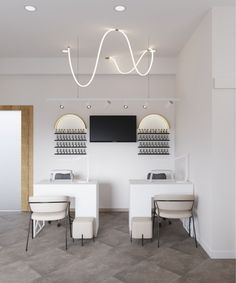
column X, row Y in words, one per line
column 110, row 259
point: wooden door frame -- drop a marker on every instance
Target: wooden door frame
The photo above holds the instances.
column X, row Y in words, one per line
column 26, row 150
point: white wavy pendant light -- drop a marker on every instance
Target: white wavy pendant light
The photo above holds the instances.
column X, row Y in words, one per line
column 135, row 64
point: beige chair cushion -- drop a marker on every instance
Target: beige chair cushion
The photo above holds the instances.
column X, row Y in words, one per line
column 48, row 216
column 174, row 197
column 175, row 214
column 48, row 198
column 174, row 206
column 141, row 226
column 48, row 204
column 82, row 226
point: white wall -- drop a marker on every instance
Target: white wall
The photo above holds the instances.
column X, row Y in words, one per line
column 223, row 132
column 193, row 118
column 10, row 160
column 205, row 126
column 112, row 164
column 223, row 42
column 223, row 173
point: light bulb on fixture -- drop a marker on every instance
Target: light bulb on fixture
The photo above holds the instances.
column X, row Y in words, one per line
column 30, row 8
column 135, row 64
column 145, row 106
column 119, row 8
column 61, row 106
column 126, row 106
column 89, row 106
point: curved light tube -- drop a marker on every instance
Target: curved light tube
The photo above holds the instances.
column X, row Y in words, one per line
column 119, row 70
column 95, row 66
column 132, row 56
column 132, row 69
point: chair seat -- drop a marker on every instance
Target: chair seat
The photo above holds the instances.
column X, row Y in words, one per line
column 43, row 198
column 48, row 216
column 175, row 214
column 174, row 197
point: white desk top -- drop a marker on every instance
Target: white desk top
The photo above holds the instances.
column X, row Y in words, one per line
column 68, row 182
column 155, row 182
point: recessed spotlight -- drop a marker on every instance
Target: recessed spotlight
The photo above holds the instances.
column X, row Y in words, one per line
column 61, row 106
column 30, row 8
column 169, row 103
column 89, row 106
column 120, row 8
column 126, row 106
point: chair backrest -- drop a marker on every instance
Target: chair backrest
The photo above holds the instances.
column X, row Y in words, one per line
column 48, row 203
column 174, row 202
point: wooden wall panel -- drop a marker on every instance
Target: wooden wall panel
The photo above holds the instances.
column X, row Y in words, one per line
column 26, row 151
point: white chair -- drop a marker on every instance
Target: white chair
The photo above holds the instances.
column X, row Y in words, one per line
column 174, row 207
column 48, row 208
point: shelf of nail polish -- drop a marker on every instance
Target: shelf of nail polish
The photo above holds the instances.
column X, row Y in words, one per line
column 153, row 141
column 70, row 131
column 70, row 151
column 154, row 144
column 70, row 141
column 153, row 151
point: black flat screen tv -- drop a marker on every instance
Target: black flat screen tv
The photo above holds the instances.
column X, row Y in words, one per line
column 113, row 128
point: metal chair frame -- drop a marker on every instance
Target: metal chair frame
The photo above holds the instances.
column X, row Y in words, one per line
column 156, row 208
column 31, row 221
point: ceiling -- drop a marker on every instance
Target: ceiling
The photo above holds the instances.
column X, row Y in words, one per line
column 165, row 24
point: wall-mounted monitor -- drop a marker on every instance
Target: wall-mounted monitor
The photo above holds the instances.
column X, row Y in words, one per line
column 113, row 128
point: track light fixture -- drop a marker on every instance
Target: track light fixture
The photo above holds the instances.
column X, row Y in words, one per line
column 135, row 64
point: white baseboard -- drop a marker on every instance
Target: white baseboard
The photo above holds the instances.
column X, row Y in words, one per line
column 7, row 210
column 214, row 254
column 217, row 254
column 113, row 209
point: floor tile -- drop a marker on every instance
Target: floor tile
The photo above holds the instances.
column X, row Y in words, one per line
column 188, row 246
column 49, row 261
column 82, row 272
column 175, row 261
column 212, row 271
column 17, row 272
column 146, row 272
column 112, row 258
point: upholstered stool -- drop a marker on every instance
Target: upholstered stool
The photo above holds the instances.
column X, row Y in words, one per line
column 141, row 228
column 82, row 228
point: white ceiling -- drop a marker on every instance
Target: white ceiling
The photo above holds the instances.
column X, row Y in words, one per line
column 166, row 24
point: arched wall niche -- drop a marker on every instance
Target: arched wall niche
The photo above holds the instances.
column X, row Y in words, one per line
column 70, row 121
column 154, row 121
